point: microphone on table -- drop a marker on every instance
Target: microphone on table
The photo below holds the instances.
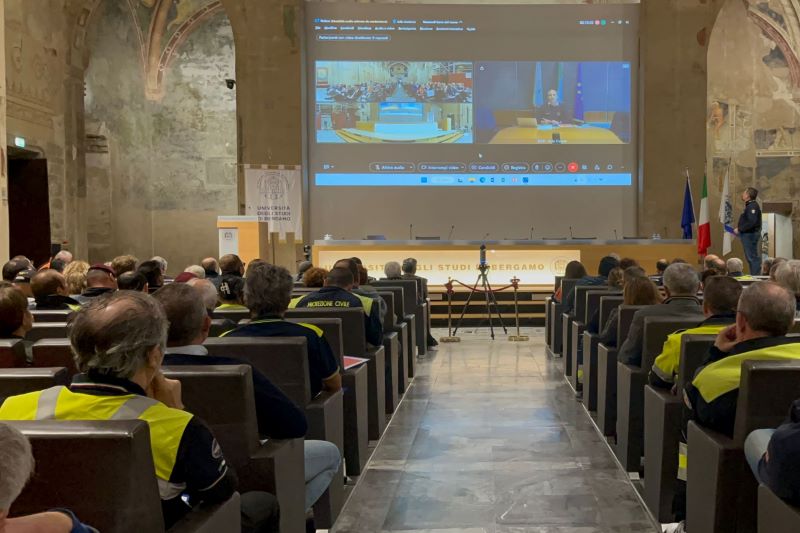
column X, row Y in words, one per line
column 411, row 232
column 615, row 235
column 531, row 237
column 452, row 230
column 570, row 233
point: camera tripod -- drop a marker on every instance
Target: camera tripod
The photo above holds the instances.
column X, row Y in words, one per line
column 483, row 282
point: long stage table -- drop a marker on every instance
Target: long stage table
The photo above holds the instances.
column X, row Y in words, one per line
column 534, row 262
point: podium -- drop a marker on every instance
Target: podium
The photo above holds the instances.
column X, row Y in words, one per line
column 250, row 239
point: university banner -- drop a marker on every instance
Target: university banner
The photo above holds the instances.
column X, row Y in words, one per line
column 274, row 193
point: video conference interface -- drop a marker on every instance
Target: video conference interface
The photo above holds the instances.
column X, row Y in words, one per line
column 496, row 96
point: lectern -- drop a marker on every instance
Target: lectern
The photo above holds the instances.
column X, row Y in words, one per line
column 776, row 228
column 250, row 239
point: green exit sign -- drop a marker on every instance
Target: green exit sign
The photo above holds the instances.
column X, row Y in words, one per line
column 19, row 142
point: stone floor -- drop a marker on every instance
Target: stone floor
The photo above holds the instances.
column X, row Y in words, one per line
column 489, row 439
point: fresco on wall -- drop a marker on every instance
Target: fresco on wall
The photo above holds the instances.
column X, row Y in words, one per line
column 729, row 127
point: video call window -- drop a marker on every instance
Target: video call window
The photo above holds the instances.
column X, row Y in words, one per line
column 548, row 102
column 393, row 102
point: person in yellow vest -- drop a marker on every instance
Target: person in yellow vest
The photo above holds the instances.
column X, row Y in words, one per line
column 118, row 340
column 764, row 316
column 720, row 299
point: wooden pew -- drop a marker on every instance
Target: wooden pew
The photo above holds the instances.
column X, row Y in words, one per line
column 607, row 373
column 414, row 315
column 407, row 350
column 355, row 344
column 663, row 423
column 356, row 403
column 608, row 302
column 234, row 315
column 721, row 489
column 222, row 396
column 284, row 360
column 47, row 330
column 12, row 353
column 775, row 515
column 583, row 313
column 220, row 326
column 15, row 381
column 54, row 352
column 50, row 315
column 631, row 381
column 103, row 471
column 395, row 363
column 557, row 312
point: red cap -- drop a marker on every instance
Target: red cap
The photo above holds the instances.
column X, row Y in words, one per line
column 103, row 267
column 183, row 277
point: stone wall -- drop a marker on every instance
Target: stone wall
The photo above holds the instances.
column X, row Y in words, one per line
column 162, row 158
column 753, row 118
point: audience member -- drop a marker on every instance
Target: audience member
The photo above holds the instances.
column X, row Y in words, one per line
column 208, row 293
column 278, row 417
column 152, row 272
column 23, row 283
column 50, row 292
column 315, row 277
column 337, row 292
column 231, row 293
column 302, row 268
column 775, row 264
column 124, row 263
column 765, row 314
column 735, row 266
column 132, row 281
column 16, row 467
column 230, row 265
column 268, row 290
column 593, row 326
column 705, row 275
column 56, row 264
column 574, row 270
column 365, row 289
column 162, row 264
column 75, row 276
column 410, row 272
column 661, row 266
column 15, row 318
column 626, row 262
column 615, row 278
column 709, row 260
column 721, row 266
column 65, row 256
column 14, row 267
column 720, row 300
column 681, row 284
column 197, row 270
column 774, row 456
column 638, row 290
column 766, row 265
column 787, row 274
column 607, row 264
column 393, row 270
column 118, row 341
column 100, row 280
column 183, row 277
column 211, row 267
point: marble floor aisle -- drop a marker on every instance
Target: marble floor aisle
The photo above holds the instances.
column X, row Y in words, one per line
column 490, row 439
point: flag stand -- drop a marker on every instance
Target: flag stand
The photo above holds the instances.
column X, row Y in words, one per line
column 450, row 337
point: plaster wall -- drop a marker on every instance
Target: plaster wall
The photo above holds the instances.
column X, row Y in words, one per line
column 753, row 117
column 169, row 167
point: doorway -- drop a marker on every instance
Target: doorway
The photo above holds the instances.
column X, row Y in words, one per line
column 28, row 205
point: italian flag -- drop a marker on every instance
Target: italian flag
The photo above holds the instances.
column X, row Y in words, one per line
column 703, row 227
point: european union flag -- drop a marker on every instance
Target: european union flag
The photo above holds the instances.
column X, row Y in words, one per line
column 538, row 87
column 687, row 218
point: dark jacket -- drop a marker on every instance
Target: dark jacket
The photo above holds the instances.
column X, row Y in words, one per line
column 781, row 472
column 569, row 300
column 55, row 302
column 750, row 219
column 630, row 353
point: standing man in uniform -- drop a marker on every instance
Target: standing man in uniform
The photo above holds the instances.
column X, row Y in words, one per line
column 749, row 230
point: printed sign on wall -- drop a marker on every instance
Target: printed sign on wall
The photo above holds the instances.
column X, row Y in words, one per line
column 275, row 195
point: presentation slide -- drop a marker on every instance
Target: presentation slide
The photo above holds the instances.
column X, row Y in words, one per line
column 456, row 111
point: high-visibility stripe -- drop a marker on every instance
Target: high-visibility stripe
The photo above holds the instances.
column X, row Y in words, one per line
column 133, row 408
column 668, row 361
column 683, row 460
column 46, row 406
column 724, row 375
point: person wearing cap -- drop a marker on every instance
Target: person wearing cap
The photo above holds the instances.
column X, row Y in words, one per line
column 183, row 277
column 231, row 293
column 49, row 290
column 607, row 264
column 100, row 279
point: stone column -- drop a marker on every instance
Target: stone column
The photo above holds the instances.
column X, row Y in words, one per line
column 4, row 238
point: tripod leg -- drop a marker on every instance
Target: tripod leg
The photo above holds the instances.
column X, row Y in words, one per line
column 496, row 306
column 466, row 305
column 486, row 292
